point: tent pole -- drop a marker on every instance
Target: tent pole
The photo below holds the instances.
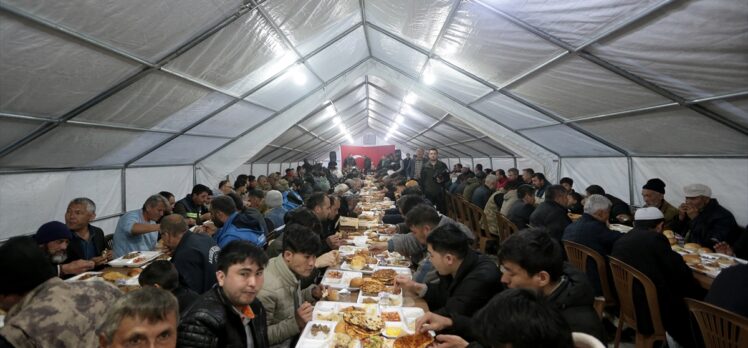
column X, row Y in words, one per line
column 631, row 179
column 123, row 189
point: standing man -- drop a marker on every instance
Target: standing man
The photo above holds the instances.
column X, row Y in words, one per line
column 653, row 194
column 193, row 207
column 88, row 241
column 193, row 253
column 416, row 165
column 230, row 315
column 433, row 189
column 137, row 230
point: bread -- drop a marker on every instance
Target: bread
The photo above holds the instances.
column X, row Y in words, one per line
column 356, row 282
column 668, row 233
column 692, row 259
column 358, row 262
column 704, row 250
column 672, row 241
column 726, row 261
column 134, row 272
column 420, row 340
column 332, row 295
column 692, row 246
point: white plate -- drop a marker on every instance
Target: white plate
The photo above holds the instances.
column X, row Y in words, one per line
column 620, row 228
column 403, row 329
column 147, row 256
column 132, row 281
column 346, row 267
column 341, row 283
column 400, row 270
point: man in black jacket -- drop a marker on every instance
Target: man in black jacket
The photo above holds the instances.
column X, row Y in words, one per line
column 702, row 220
column 229, row 315
column 467, row 280
column 647, row 250
column 552, row 213
column 193, row 254
column 192, row 207
column 620, row 213
column 88, row 241
column 523, row 207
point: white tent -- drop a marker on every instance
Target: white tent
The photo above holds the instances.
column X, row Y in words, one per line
column 116, row 100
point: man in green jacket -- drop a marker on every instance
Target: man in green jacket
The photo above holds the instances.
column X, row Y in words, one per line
column 432, row 182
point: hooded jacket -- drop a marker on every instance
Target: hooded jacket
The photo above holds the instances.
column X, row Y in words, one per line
column 552, row 216
column 240, row 226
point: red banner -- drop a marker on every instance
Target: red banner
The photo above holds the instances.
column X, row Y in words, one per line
column 358, row 153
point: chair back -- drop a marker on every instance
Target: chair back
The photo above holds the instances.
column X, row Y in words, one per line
column 579, row 255
column 505, row 226
column 449, row 202
column 109, row 241
column 462, row 210
column 583, row 340
column 719, row 327
column 623, row 277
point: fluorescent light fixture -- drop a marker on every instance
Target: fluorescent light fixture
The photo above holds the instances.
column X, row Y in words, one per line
column 298, row 75
column 410, row 98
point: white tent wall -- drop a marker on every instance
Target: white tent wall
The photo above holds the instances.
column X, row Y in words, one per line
column 143, row 182
column 502, row 163
column 610, row 173
column 28, row 200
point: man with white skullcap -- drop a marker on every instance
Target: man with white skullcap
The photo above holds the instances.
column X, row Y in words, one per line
column 702, row 220
column 646, row 249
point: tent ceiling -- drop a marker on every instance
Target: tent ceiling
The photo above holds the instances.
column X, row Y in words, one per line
column 85, row 85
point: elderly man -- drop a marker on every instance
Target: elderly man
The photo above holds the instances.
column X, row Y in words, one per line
column 147, row 316
column 137, row 230
column 42, row 310
column 619, row 212
column 416, row 165
column 702, row 220
column 653, row 193
column 53, row 238
column 193, row 254
column 88, row 241
column 591, row 230
column 193, row 207
column 276, row 211
column 483, row 192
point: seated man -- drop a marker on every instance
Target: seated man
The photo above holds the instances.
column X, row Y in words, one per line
column 287, row 305
column 230, row 315
column 193, row 207
column 483, row 192
column 466, row 279
column 54, row 239
column 619, row 211
column 520, row 212
column 534, row 323
column 163, row 275
column 137, row 230
column 88, row 241
column 541, row 185
column 653, row 194
column 42, row 310
column 722, row 292
column 276, row 211
column 591, row 230
column 147, row 316
column 552, row 213
column 574, row 202
column 193, row 254
column 702, row 220
column 647, row 250
column 233, row 225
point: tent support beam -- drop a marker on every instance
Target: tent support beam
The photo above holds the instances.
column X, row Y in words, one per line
column 433, row 141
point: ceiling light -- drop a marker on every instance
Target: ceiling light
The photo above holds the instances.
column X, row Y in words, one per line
column 342, row 128
column 399, row 119
column 299, row 75
column 337, row 120
column 410, row 98
column 428, row 77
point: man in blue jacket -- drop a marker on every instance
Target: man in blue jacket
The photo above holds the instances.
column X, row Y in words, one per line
column 233, row 225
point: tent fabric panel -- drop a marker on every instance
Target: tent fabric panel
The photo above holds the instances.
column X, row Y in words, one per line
column 526, row 162
column 576, row 88
column 147, row 29
column 385, row 99
column 568, row 142
column 12, row 130
column 232, row 121
column 381, row 83
column 262, row 153
column 486, row 145
column 574, row 22
column 298, row 141
column 77, row 146
column 59, row 188
column 141, row 183
column 237, row 58
column 288, row 135
column 491, row 47
column 393, row 52
column 310, row 24
column 319, row 118
column 735, row 110
column 416, row 21
column 158, row 102
column 46, row 74
column 707, row 57
column 285, row 89
column 484, row 161
column 340, row 55
column 181, row 150
column 510, row 112
column 610, row 173
column 726, row 178
column 502, row 163
column 428, row 109
column 351, row 99
column 654, row 133
column 454, row 134
column 414, row 116
column 454, row 83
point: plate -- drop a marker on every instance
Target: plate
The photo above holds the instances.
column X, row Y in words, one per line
column 96, row 276
column 143, row 258
column 620, row 228
column 347, row 267
column 340, row 283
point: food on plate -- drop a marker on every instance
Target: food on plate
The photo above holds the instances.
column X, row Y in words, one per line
column 372, row 342
column 342, row 340
column 359, row 325
column 725, row 261
column 332, row 295
column 319, row 330
column 88, row 276
column 712, row 264
column 692, row 259
column 668, row 234
column 353, row 309
column 139, row 259
column 419, row 340
column 691, row 246
column 399, row 263
column 386, row 276
column 131, row 255
column 113, row 276
column 330, row 316
column 699, row 267
column 393, row 331
column 356, row 282
column 391, row 316
column 672, row 241
column 134, row 272
column 372, row 286
column 704, row 250
column 358, row 262
column 334, row 274
column 391, row 300
column 370, row 300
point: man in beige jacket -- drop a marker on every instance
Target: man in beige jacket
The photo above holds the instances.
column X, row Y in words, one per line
column 289, row 307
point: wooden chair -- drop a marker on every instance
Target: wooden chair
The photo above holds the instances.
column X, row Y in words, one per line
column 450, row 205
column 719, row 327
column 462, row 211
column 506, row 228
column 578, row 255
column 624, row 277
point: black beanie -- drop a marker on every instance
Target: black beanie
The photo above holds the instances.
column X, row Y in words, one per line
column 655, row 185
column 23, row 266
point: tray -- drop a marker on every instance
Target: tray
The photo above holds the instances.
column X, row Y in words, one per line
column 340, row 283
column 143, row 258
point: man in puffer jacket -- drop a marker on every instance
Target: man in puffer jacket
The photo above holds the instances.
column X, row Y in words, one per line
column 234, row 225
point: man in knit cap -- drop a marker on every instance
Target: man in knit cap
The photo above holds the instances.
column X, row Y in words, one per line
column 53, row 238
column 653, row 193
